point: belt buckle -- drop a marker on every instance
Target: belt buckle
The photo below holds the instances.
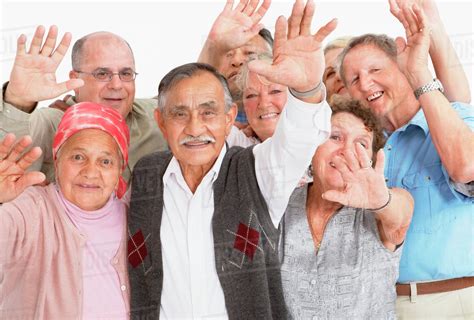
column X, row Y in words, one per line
column 413, row 292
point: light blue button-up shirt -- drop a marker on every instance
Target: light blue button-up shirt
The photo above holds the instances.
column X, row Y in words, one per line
column 440, row 241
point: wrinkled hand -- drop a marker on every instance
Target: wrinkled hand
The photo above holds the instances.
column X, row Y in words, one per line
column 413, row 54
column 33, row 76
column 298, row 58
column 234, row 27
column 13, row 164
column 433, row 19
column 365, row 186
column 61, row 104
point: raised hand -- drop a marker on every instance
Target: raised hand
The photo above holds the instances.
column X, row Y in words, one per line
column 298, row 58
column 33, row 77
column 413, row 54
column 13, row 164
column 433, row 19
column 365, row 186
column 234, row 27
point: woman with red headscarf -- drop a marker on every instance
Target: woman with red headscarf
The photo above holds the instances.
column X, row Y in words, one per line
column 62, row 252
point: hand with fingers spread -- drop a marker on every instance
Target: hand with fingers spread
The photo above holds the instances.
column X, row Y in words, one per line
column 447, row 65
column 233, row 28
column 33, row 77
column 298, row 58
column 433, row 18
column 13, row 164
column 364, row 186
column 413, row 54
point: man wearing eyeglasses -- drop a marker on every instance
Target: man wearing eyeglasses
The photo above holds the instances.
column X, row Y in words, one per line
column 103, row 72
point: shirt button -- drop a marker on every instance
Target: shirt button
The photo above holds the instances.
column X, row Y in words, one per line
column 428, row 178
column 389, row 147
column 313, row 281
column 123, row 287
column 386, row 179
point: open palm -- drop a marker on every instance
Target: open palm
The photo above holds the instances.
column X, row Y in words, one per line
column 298, row 58
column 364, row 187
column 33, row 77
column 13, row 164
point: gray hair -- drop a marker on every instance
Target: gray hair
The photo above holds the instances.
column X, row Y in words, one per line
column 338, row 43
column 380, row 41
column 78, row 47
column 187, row 71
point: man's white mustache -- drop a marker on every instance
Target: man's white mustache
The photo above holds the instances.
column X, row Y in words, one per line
column 203, row 138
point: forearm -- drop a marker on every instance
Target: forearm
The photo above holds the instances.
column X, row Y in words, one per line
column 17, row 100
column 452, row 137
column 395, row 218
column 211, row 54
column 448, row 67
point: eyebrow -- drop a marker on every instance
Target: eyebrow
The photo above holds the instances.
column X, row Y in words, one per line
column 85, row 151
column 208, row 104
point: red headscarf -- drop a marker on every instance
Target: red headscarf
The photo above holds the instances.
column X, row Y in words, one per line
column 88, row 115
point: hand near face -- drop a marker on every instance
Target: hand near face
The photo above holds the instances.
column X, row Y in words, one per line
column 33, row 76
column 298, row 58
column 364, row 186
column 413, row 54
column 13, row 164
column 234, row 27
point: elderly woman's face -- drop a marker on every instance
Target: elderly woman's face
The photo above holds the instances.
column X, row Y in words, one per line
column 88, row 168
column 331, row 78
column 263, row 102
column 346, row 132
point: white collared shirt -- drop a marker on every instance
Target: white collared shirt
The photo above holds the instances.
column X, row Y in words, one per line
column 191, row 287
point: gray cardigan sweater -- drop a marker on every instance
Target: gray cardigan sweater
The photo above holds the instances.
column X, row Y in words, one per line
column 250, row 276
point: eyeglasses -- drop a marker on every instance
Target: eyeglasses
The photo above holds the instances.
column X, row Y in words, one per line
column 106, row 75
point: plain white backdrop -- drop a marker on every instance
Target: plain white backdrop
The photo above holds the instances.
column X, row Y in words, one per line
column 165, row 34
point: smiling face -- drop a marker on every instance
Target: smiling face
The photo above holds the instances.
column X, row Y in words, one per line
column 331, row 77
column 346, row 131
column 106, row 51
column 194, row 121
column 233, row 61
column 263, row 102
column 373, row 78
column 88, row 168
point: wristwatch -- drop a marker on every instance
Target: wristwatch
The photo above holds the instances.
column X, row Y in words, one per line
column 430, row 86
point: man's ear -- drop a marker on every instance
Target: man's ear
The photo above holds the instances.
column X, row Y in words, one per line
column 230, row 118
column 160, row 121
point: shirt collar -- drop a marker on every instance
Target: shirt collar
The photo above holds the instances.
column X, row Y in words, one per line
column 418, row 120
column 175, row 169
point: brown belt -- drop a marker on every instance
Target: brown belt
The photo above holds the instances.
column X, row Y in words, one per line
column 436, row 286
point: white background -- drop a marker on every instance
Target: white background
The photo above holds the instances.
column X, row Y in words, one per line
column 165, row 34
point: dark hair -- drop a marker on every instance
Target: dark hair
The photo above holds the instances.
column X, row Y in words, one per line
column 267, row 36
column 380, row 41
column 187, row 71
column 341, row 104
column 77, row 48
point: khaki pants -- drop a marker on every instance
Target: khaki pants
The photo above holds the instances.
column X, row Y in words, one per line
column 457, row 304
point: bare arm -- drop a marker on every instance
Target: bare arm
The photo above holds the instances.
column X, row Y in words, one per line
column 393, row 220
column 452, row 137
column 445, row 60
